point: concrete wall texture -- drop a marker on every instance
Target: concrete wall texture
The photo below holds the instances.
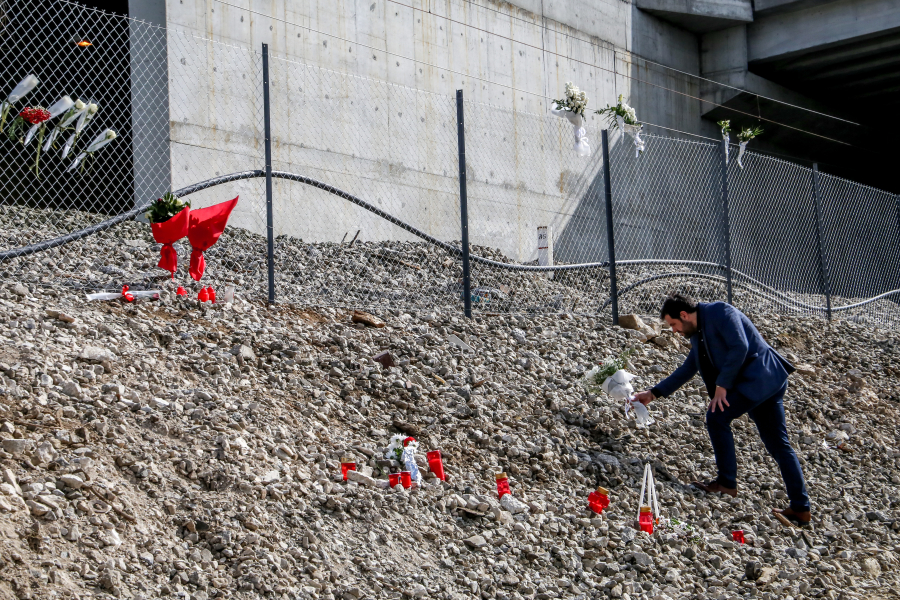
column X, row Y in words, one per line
column 363, row 98
column 376, row 115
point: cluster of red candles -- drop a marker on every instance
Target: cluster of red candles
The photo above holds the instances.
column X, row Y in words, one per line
column 207, row 295
column 404, row 478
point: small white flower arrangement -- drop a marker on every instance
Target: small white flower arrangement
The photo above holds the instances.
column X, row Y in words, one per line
column 575, row 100
column 744, row 138
column 622, row 116
column 725, row 127
column 572, row 108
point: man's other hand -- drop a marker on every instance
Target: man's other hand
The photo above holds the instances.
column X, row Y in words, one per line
column 644, row 398
column 719, row 400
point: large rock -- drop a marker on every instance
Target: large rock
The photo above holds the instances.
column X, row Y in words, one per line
column 95, row 354
column 367, row 319
column 871, row 567
column 361, row 479
column 17, row 447
column 632, row 322
column 508, row 502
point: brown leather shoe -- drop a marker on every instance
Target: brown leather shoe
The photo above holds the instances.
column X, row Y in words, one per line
column 799, row 518
column 714, row 487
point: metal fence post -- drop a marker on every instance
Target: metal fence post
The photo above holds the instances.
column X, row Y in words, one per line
column 267, row 124
column 824, row 277
column 463, row 204
column 726, row 222
column 610, row 240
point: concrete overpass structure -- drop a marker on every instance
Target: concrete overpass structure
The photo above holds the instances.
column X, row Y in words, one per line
column 777, row 57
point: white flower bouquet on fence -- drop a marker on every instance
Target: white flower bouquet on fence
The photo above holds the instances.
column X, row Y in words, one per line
column 624, row 117
column 725, row 126
column 744, row 137
column 572, row 108
column 84, row 117
column 20, row 91
column 88, row 154
column 64, row 121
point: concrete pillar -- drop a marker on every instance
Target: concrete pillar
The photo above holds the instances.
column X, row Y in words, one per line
column 149, row 99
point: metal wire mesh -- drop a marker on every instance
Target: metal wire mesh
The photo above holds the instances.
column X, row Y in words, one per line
column 774, row 236
column 523, row 174
column 185, row 109
column 391, row 146
column 667, row 210
column 862, row 245
column 366, row 202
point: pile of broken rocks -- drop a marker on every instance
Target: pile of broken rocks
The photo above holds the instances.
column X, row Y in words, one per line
column 173, row 449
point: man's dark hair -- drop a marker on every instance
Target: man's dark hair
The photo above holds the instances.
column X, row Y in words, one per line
column 676, row 303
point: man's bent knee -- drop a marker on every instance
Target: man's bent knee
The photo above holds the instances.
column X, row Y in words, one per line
column 717, row 420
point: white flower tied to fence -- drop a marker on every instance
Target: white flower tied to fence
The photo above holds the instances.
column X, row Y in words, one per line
column 635, row 132
column 572, row 108
column 725, row 126
column 68, row 117
column 744, row 138
column 624, row 117
column 99, row 142
column 84, row 117
column 20, row 91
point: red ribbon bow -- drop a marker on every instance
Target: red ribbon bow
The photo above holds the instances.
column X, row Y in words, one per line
column 167, row 233
column 206, row 225
column 125, row 295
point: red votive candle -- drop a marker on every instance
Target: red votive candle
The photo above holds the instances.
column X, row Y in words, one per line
column 598, row 500
column 738, row 535
column 212, row 295
column 347, row 465
column 646, row 519
column 436, row 464
column 502, row 484
column 393, row 479
column 203, row 295
column 181, row 291
column 406, row 479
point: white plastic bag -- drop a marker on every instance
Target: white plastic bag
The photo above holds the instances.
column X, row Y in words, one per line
column 635, row 132
column 618, row 385
column 582, row 146
column 641, row 414
column 741, row 148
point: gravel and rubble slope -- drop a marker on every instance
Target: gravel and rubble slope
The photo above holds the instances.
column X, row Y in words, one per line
column 175, row 449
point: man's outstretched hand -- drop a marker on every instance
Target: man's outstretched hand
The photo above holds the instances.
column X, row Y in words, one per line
column 644, row 398
column 719, row 400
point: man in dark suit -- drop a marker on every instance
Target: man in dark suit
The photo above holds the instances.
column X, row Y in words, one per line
column 745, row 375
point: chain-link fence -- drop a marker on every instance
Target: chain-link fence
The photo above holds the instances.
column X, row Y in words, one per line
column 184, row 110
column 365, row 209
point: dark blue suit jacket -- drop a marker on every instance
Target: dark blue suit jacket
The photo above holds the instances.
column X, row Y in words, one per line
column 743, row 359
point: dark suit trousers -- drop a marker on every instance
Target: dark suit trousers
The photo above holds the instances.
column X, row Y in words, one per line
column 769, row 418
